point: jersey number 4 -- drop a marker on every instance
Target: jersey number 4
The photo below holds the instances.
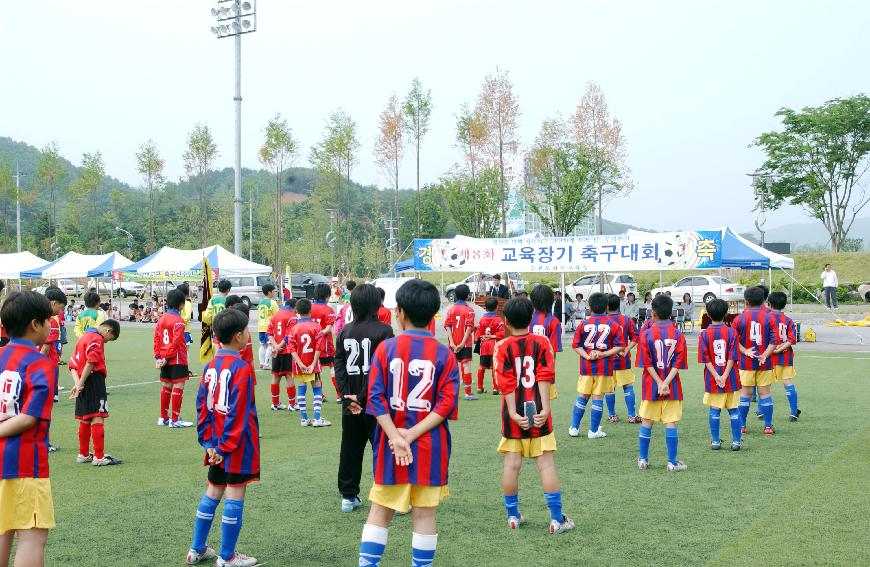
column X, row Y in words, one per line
column 424, row 371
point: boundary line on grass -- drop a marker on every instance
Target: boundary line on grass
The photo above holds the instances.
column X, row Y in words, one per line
column 133, row 384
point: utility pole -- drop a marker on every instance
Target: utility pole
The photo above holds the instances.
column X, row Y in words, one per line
column 17, row 206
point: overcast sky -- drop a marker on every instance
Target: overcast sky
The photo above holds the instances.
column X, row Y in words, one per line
column 692, row 82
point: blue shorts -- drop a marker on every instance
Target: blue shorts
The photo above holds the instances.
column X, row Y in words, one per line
column 187, row 339
column 263, row 338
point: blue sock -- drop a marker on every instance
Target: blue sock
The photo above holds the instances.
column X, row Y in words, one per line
column 231, row 527
column 423, row 549
column 512, row 505
column 629, row 400
column 715, row 414
column 318, row 400
column 644, row 435
column 791, row 394
column 579, row 410
column 767, row 410
column 671, row 441
column 736, row 434
column 595, row 416
column 744, row 409
column 202, row 524
column 554, row 503
column 372, row 545
column 301, row 390
column 610, row 399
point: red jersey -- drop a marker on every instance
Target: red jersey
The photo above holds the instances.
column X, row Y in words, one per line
column 384, row 315
column 629, row 335
column 2, row 331
column 226, row 412
column 717, row 345
column 601, row 333
column 432, row 326
column 27, row 382
column 323, row 315
column 411, row 376
column 304, row 339
column 520, row 362
column 459, row 318
column 169, row 340
column 662, row 347
column 546, row 325
column 755, row 328
column 786, row 331
column 53, row 340
column 89, row 348
column 280, row 326
column 489, row 324
column 247, row 354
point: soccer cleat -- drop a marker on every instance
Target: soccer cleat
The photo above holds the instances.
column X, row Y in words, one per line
column 470, row 397
column 161, row 422
column 563, row 526
column 320, row 422
column 716, row 445
column 769, row 431
column 60, row 388
column 106, row 461
column 634, row 419
column 573, row 432
column 292, row 407
column 798, row 413
column 735, row 445
column 481, row 391
column 55, row 398
column 596, row 434
column 179, row 424
column 193, row 557
column 515, row 521
column 743, row 430
column 350, row 504
column 677, row 467
column 642, row 464
column 759, row 415
column 792, row 417
column 613, row 418
column 496, row 393
column 304, row 422
column 277, row 407
column 52, row 448
column 82, row 459
column 238, row 560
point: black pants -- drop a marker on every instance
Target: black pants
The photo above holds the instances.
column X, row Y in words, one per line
column 830, row 296
column 356, row 431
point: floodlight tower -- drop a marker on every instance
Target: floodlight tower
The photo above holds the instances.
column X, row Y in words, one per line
column 234, row 18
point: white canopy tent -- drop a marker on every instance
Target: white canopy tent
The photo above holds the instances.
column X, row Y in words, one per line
column 11, row 265
column 75, row 265
column 177, row 264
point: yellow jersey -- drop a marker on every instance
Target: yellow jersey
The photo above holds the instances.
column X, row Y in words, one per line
column 265, row 310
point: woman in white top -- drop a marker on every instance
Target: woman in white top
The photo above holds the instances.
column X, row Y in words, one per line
column 829, row 286
column 688, row 307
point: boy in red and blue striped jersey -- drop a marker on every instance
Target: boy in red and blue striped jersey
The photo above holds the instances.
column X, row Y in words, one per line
column 545, row 324
column 662, row 354
column 413, row 390
column 26, row 398
column 783, row 355
column 756, row 334
column 525, row 367
column 717, row 351
column 622, row 374
column 598, row 340
column 228, row 430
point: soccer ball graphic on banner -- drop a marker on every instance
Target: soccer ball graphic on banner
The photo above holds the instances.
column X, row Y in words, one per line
column 678, row 252
column 449, row 257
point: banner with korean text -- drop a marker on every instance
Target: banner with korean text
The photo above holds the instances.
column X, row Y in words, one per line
column 687, row 250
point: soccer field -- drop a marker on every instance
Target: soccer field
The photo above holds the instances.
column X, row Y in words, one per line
column 798, row 498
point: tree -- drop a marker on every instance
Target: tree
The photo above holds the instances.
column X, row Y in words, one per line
column 150, row 166
column 87, row 186
column 478, row 217
column 198, row 158
column 471, row 137
column 389, row 147
column 418, row 112
column 818, row 162
column 500, row 112
column 50, row 174
column 278, row 151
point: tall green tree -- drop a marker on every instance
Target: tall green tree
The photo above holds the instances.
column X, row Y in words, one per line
column 7, row 196
column 418, row 113
column 51, row 174
column 478, row 217
column 389, row 147
column 818, row 162
column 150, row 166
column 198, row 158
column 87, row 187
column 278, row 151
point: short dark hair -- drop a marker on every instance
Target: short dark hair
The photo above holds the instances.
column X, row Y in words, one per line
column 227, row 323
column 598, row 303
column 364, row 302
column 663, row 306
column 777, row 300
column 717, row 309
column 243, row 307
column 765, row 289
column 224, row 286
column 382, row 292
column 55, row 294
column 518, row 312
column 21, row 308
column 542, row 298
column 420, row 301
column 630, row 294
column 291, row 303
column 491, row 303
column 303, row 307
column 496, row 277
column 268, row 288
column 461, row 292
column 754, row 296
column 613, row 302
column 232, row 300
column 175, row 299
column 184, row 288
column 92, row 299
column 826, row 265
column 350, row 285
column 113, row 325
column 322, row 291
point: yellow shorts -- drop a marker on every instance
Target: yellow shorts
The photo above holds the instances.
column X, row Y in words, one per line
column 726, row 400
column 751, row 378
column 553, row 393
column 594, row 385
column 305, row 378
column 623, row 377
column 529, row 448
column 663, row 411
column 781, row 373
column 400, row 497
column 25, row 503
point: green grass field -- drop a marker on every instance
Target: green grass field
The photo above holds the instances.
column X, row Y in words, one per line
column 800, row 498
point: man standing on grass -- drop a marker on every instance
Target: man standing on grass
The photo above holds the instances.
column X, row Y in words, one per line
column 829, row 286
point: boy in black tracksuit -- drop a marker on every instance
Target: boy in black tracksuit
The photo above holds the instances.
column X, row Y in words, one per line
column 354, row 348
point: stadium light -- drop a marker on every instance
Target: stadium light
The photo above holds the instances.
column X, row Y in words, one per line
column 234, row 18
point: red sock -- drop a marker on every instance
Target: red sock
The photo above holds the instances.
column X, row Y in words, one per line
column 98, row 433
column 481, row 371
column 276, row 393
column 84, row 438
column 165, row 393
column 466, row 379
column 335, row 385
column 177, row 393
column 291, row 394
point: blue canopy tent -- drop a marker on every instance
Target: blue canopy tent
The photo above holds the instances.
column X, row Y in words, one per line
column 404, row 266
column 75, row 265
column 738, row 252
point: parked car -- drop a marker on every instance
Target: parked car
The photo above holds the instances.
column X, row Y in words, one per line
column 703, row 289
column 303, row 283
column 864, row 291
column 69, row 287
column 121, row 289
column 481, row 286
column 158, row 289
column 613, row 283
column 248, row 288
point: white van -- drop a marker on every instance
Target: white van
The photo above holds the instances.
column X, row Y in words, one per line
column 248, row 288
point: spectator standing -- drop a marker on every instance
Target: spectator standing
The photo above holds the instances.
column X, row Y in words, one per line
column 829, row 286
column 498, row 289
